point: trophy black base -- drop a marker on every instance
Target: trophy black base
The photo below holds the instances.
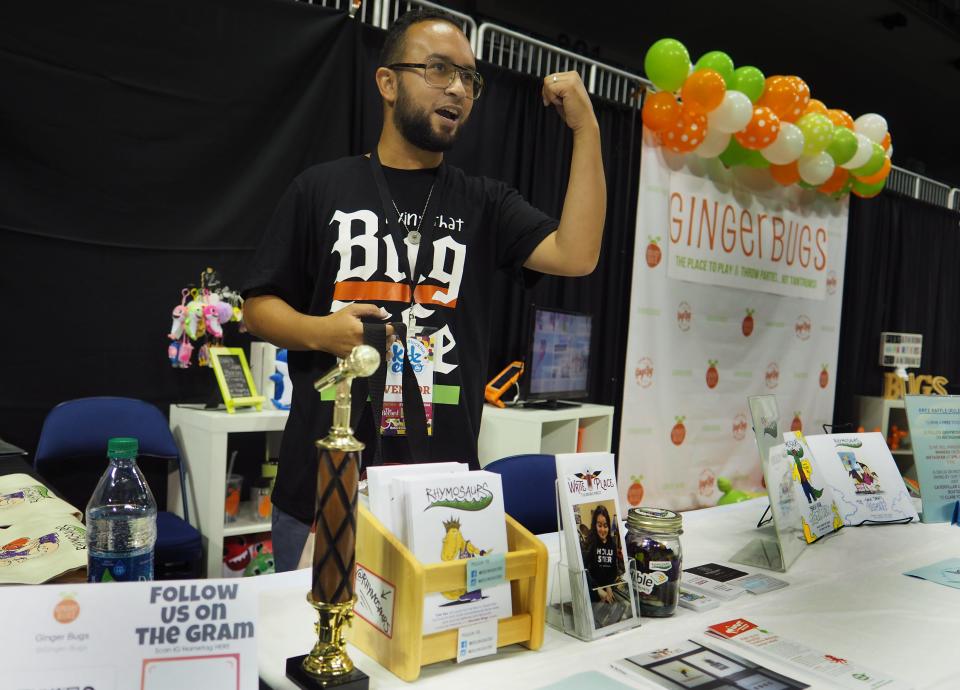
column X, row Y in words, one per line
column 355, row 680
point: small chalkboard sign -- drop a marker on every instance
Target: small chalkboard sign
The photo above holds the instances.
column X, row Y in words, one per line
column 234, row 378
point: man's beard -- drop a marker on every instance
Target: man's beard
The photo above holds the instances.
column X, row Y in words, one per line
column 414, row 125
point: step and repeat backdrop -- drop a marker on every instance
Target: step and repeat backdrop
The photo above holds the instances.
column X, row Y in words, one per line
column 737, row 287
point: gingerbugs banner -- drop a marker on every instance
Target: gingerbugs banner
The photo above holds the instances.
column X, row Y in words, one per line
column 736, row 291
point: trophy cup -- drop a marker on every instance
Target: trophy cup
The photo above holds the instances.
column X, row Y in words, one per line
column 338, row 473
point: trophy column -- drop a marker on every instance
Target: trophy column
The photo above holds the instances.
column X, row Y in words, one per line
column 335, row 521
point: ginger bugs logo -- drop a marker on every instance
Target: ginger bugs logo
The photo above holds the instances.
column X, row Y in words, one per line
column 771, row 377
column 831, row 282
column 739, row 427
column 684, row 316
column 643, row 372
column 802, row 327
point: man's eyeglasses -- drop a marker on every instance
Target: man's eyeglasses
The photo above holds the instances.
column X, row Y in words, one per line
column 440, row 74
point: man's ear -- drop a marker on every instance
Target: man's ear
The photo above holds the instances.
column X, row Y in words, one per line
column 387, row 84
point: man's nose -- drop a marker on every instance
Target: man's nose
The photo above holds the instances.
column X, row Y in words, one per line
column 457, row 86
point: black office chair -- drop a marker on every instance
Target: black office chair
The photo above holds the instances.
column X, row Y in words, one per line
column 71, row 454
column 529, row 490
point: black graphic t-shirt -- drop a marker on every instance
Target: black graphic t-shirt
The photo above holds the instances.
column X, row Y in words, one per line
column 327, row 246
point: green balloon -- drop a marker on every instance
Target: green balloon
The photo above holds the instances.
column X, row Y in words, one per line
column 755, row 159
column 868, row 190
column 720, row 62
column 842, row 146
column 750, row 81
column 877, row 156
column 667, row 64
column 734, row 154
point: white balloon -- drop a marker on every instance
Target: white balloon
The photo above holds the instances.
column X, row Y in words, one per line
column 713, row 144
column 890, row 152
column 816, row 169
column 864, row 151
column 787, row 147
column 872, row 126
column 733, row 113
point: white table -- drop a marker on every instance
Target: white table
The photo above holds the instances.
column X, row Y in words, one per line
column 202, row 436
column 847, row 595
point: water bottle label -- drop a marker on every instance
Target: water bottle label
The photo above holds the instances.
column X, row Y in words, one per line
column 117, row 568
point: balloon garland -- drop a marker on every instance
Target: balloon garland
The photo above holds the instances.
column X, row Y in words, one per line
column 714, row 110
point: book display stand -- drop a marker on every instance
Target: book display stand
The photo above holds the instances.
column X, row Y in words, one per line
column 395, row 637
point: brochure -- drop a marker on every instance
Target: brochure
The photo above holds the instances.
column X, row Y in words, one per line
column 696, row 601
column 452, row 517
column 840, row 672
column 697, row 663
column 42, row 548
column 935, row 433
column 601, row 588
column 863, row 477
column 388, row 507
column 819, row 514
column 714, row 580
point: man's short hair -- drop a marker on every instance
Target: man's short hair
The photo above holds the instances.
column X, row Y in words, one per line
column 394, row 44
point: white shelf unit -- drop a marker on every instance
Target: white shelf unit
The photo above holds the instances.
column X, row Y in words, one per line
column 881, row 413
column 524, row 430
column 202, row 436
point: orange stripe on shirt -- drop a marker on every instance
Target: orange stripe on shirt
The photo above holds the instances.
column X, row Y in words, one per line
column 371, row 291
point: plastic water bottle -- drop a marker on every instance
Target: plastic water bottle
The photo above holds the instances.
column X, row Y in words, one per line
column 121, row 519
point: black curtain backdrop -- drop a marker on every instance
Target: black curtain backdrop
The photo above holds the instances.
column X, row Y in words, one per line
column 901, row 275
column 143, row 141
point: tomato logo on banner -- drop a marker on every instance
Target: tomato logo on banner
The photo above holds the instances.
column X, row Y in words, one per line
column 802, row 327
column 635, row 492
column 824, row 376
column 740, row 427
column 772, row 376
column 747, row 326
column 653, row 252
column 713, row 376
column 644, row 372
column 831, row 282
column 684, row 316
column 797, row 423
column 678, row 432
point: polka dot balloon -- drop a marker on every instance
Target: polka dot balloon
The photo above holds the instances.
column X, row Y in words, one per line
column 761, row 131
column 687, row 131
column 817, row 132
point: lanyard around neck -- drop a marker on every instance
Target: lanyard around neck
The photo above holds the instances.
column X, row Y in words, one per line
column 426, row 229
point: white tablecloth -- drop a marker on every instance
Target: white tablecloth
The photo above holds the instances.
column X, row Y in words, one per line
column 847, row 596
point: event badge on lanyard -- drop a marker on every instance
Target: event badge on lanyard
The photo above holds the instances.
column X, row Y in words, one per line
column 419, row 352
column 419, row 349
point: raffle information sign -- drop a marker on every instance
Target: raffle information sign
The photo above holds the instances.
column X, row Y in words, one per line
column 736, row 291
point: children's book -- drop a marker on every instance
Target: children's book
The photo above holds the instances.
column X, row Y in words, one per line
column 863, row 477
column 819, row 513
column 600, row 581
column 41, row 548
column 388, row 507
column 23, row 497
column 453, row 517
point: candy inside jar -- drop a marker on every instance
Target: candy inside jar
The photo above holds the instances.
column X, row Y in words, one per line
column 653, row 547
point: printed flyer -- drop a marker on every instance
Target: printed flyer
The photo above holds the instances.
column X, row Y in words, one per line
column 841, row 672
column 819, row 514
column 452, row 517
column 935, row 431
column 864, row 478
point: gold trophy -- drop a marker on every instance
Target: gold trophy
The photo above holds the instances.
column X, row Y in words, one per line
column 338, row 473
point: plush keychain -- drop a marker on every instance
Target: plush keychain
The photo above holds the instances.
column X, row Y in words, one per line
column 203, row 355
column 179, row 315
column 173, row 353
column 212, row 320
column 193, row 325
column 224, row 312
column 186, row 352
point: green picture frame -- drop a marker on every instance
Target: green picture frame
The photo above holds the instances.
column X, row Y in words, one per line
column 234, row 378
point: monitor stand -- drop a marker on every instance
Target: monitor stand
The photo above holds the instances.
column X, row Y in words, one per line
column 550, row 404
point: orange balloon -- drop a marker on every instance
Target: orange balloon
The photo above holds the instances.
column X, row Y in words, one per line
column 660, row 110
column 815, row 106
column 687, row 131
column 761, row 131
column 886, row 141
column 878, row 176
column 803, row 99
column 841, row 118
column 836, row 181
column 779, row 95
column 785, row 174
column 703, row 90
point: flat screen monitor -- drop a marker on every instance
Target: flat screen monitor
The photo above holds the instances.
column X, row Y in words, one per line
column 558, row 356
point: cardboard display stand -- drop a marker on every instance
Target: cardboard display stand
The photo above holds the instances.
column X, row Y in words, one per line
column 391, row 584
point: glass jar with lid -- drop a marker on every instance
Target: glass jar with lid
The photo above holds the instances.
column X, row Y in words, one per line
column 653, row 546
